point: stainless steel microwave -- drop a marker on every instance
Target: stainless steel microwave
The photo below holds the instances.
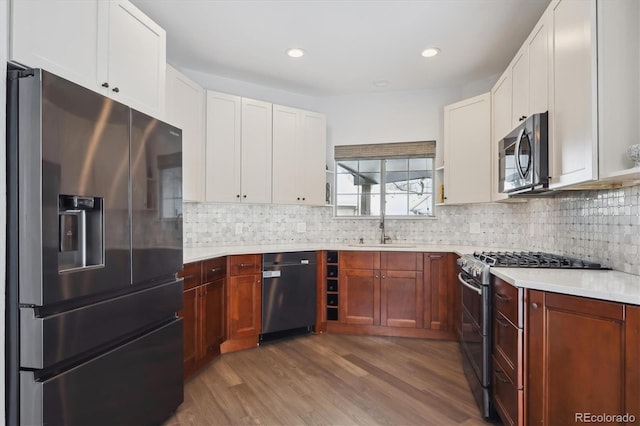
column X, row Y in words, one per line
column 524, row 157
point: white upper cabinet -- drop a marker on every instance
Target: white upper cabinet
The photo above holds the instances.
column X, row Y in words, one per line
column 618, row 87
column 500, row 127
column 467, row 153
column 185, row 109
column 520, row 89
column 135, row 62
column 238, row 166
column 539, row 50
column 573, row 106
column 223, row 147
column 299, row 146
column 107, row 46
column 59, row 36
column 256, row 151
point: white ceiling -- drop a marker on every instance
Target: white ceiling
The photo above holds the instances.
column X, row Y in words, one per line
column 349, row 44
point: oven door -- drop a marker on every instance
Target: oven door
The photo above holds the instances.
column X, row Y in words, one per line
column 475, row 340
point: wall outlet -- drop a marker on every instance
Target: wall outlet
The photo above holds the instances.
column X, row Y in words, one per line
column 238, row 228
column 474, row 228
column 301, row 227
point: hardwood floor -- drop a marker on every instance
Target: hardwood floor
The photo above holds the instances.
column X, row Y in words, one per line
column 333, row 379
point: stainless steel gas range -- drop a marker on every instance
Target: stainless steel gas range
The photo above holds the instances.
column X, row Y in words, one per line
column 475, row 332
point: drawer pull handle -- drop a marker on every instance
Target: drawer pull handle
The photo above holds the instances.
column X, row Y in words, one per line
column 502, row 297
column 502, row 322
column 214, row 269
column 500, row 377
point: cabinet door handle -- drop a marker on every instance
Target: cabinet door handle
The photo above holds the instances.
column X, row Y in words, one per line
column 384, row 276
column 237, row 195
column 522, row 118
column 502, row 298
column 105, row 84
column 214, row 269
column 115, row 89
column 298, row 198
column 188, row 277
column 534, row 305
column 377, row 276
column 244, row 196
column 303, row 199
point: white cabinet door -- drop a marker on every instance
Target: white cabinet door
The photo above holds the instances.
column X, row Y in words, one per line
column 299, row 150
column 573, row 103
column 539, row 66
column 520, row 82
column 185, row 109
column 467, row 151
column 313, row 158
column 256, row 151
column 223, row 147
column 286, row 155
column 58, row 36
column 618, row 87
column 136, row 59
column 501, row 126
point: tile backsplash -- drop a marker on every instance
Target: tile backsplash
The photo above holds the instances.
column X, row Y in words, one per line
column 602, row 226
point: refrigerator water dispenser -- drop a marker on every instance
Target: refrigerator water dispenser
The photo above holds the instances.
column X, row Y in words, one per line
column 81, row 233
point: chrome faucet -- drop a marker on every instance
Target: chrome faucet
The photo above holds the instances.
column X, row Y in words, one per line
column 384, row 239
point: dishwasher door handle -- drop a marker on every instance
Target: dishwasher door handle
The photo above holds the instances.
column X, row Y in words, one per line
column 271, row 274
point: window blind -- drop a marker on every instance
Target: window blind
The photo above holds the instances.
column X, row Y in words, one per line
column 419, row 149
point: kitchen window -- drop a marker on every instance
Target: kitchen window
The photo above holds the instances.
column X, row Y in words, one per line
column 398, row 183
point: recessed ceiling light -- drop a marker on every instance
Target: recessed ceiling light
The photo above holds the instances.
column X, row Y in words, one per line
column 295, row 52
column 381, row 83
column 430, row 52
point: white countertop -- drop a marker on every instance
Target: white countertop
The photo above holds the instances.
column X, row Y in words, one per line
column 202, row 253
column 614, row 286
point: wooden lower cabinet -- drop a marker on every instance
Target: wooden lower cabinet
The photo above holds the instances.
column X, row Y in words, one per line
column 396, row 293
column 359, row 296
column 632, row 360
column 401, row 299
column 244, row 302
column 577, row 363
column 203, row 314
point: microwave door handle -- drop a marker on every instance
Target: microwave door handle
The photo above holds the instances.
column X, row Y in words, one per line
column 466, row 284
column 517, row 152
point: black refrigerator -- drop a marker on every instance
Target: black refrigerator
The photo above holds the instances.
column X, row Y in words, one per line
column 94, row 245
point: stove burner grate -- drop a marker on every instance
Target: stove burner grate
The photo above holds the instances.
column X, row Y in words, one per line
column 528, row 259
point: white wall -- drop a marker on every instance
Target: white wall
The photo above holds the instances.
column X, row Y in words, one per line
column 4, row 26
column 385, row 117
column 250, row 90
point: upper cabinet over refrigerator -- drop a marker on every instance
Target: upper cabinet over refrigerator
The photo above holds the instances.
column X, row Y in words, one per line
column 110, row 47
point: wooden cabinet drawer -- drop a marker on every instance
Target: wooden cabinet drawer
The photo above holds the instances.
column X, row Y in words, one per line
column 401, row 261
column 505, row 345
column 505, row 395
column 191, row 274
column 505, row 300
column 213, row 269
column 360, row 260
column 246, row 264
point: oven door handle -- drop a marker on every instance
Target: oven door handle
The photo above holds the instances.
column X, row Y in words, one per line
column 469, row 286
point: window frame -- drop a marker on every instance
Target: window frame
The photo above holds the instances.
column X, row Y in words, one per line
column 383, row 189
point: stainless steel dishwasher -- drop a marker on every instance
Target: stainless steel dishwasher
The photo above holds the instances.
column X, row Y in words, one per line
column 288, row 293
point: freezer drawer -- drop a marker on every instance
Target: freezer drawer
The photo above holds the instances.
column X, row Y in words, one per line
column 49, row 340
column 138, row 383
